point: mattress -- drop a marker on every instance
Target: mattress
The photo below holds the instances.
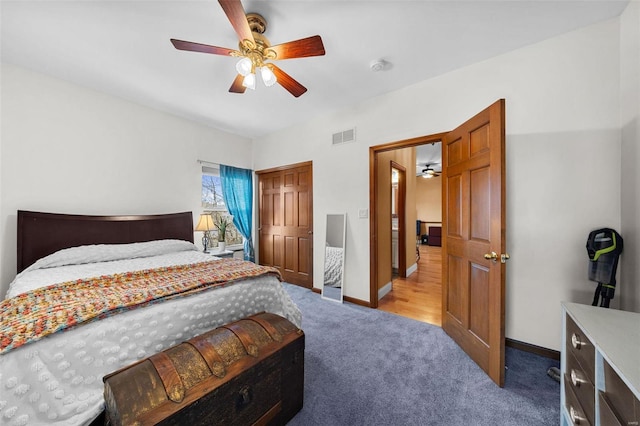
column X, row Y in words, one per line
column 58, row 379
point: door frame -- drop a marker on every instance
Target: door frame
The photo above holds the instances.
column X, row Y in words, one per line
column 402, row 208
column 373, row 185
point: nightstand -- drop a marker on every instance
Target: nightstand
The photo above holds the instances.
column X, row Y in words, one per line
column 223, row 254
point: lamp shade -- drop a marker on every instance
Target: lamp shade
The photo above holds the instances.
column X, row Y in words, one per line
column 244, row 66
column 249, row 81
column 205, row 223
column 268, row 77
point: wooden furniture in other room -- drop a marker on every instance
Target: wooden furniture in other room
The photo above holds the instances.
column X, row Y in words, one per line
column 600, row 383
column 435, row 236
column 247, row 372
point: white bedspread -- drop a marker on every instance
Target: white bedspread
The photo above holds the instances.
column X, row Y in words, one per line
column 58, row 380
column 333, row 266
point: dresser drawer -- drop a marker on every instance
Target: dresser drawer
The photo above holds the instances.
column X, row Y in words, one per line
column 577, row 414
column 607, row 416
column 582, row 387
column 581, row 347
column 620, row 398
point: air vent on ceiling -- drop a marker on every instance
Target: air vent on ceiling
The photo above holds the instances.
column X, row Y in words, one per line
column 344, row 136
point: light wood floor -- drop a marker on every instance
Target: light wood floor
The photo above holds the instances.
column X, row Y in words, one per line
column 419, row 296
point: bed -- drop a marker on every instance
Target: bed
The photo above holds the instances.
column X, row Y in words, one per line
column 57, row 378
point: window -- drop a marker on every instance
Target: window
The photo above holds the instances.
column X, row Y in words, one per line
column 213, row 202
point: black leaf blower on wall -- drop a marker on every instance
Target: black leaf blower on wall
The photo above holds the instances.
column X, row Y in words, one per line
column 604, row 247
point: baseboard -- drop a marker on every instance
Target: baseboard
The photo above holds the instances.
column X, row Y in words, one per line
column 346, row 298
column 382, row 292
column 528, row 347
column 411, row 269
column 357, row 301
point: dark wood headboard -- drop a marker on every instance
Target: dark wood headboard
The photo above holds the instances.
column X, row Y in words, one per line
column 40, row 234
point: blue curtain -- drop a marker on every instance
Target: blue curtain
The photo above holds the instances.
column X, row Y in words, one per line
column 237, row 190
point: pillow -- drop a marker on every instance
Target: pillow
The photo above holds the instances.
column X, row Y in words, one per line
column 108, row 252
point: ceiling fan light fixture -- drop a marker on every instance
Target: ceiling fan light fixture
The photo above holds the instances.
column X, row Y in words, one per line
column 244, row 66
column 249, row 81
column 268, row 77
column 254, row 49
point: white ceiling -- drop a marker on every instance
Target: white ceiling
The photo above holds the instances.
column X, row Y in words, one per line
column 430, row 154
column 122, row 47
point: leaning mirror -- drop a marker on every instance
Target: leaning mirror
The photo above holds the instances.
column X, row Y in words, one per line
column 334, row 256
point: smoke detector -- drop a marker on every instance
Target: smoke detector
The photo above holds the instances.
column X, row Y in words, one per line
column 379, row 65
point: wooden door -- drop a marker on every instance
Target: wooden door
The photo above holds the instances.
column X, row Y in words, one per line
column 473, row 293
column 286, row 222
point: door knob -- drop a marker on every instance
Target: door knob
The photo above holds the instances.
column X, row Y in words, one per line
column 494, row 257
column 491, row 256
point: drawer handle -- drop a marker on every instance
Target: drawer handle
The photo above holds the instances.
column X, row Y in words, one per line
column 577, row 378
column 576, row 417
column 245, row 395
column 576, row 342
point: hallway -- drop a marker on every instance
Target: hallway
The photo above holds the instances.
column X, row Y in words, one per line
column 419, row 296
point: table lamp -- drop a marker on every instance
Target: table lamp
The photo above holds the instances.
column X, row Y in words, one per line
column 205, row 224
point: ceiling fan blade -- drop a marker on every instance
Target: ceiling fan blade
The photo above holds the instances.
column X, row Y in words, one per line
column 238, row 18
column 236, row 86
column 305, row 47
column 286, row 81
column 203, row 48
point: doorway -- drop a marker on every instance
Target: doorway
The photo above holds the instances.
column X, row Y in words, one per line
column 417, row 292
column 381, row 158
column 398, row 225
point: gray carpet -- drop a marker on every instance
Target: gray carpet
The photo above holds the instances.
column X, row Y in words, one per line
column 368, row 367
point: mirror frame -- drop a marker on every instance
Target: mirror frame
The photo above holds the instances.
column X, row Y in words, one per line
column 344, row 240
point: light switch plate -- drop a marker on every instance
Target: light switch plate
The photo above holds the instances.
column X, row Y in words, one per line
column 363, row 213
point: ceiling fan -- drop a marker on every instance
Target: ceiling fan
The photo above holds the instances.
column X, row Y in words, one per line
column 255, row 50
column 429, row 172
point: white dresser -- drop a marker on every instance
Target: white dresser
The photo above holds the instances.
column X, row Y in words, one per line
column 600, row 363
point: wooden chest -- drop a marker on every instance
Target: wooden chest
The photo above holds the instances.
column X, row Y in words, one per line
column 247, row 372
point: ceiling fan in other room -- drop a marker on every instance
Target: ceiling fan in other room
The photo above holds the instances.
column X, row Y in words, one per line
column 429, row 172
column 254, row 50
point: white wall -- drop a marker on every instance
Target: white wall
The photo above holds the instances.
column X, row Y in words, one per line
column 629, row 284
column 68, row 149
column 428, row 200
column 562, row 130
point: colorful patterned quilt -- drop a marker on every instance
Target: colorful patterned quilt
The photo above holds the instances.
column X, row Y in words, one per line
column 31, row 316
